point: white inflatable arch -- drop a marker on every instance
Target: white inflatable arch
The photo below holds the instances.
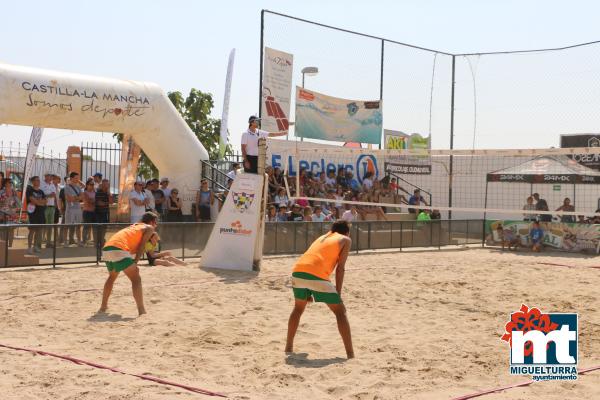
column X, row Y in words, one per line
column 36, row 97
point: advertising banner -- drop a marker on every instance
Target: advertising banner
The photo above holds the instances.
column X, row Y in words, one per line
column 223, row 139
column 319, row 116
column 403, row 164
column 281, row 154
column 559, row 235
column 584, row 140
column 237, row 226
column 130, row 156
column 32, row 148
column 276, row 90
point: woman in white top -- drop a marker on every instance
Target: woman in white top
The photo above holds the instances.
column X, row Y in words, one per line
column 281, row 198
column 529, row 207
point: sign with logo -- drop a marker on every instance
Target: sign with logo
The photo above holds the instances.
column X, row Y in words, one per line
column 233, row 240
column 242, row 201
column 276, row 90
column 542, row 345
column 407, row 164
column 319, row 116
column 583, row 140
column 281, row 154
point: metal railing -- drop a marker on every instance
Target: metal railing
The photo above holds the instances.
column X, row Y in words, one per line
column 188, row 239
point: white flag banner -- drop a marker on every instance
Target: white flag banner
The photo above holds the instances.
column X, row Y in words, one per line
column 32, row 148
column 276, row 91
column 225, row 114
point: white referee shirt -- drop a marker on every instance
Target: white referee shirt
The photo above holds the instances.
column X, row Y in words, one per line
column 250, row 139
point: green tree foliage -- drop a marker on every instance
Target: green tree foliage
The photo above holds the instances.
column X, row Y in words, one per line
column 195, row 110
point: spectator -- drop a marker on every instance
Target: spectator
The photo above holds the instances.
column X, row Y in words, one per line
column 529, row 206
column 394, row 185
column 282, row 214
column 138, row 202
column 89, row 210
column 74, row 216
column 278, row 176
column 536, row 237
column 423, row 216
column 164, row 186
column 281, row 198
column 173, row 206
column 567, row 206
column 368, row 181
column 273, row 186
column 415, row 200
column 159, row 197
column 351, row 214
column 542, row 205
column 36, row 208
column 62, row 208
column 225, row 193
column 204, row 201
column 318, row 216
column 435, row 214
column 581, row 220
column 50, row 191
column 10, row 208
column 151, row 206
column 508, row 238
column 330, row 180
column 234, row 171
column 250, row 144
column 97, row 180
column 272, row 214
column 335, row 214
column 352, row 182
column 296, row 214
column 365, row 211
column 103, row 200
column 307, row 214
column 341, row 178
column 1, row 179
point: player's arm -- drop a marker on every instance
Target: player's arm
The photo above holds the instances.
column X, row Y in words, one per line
column 341, row 266
column 148, row 231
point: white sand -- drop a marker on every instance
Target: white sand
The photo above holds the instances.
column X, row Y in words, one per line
column 426, row 325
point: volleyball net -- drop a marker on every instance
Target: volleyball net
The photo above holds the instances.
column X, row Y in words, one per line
column 545, row 184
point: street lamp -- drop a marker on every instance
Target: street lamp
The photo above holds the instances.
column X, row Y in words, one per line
column 310, row 71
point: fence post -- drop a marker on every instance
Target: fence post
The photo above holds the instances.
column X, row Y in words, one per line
column 357, row 239
column 276, row 232
column 369, row 236
column 6, row 247
column 401, row 234
column 391, row 234
column 467, row 237
column 183, row 243
column 54, row 234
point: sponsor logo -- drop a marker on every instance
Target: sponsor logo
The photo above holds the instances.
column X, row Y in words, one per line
column 235, row 228
column 593, row 142
column 557, row 178
column 304, row 95
column 284, row 62
column 509, row 177
column 352, row 109
column 409, row 169
column 242, row 200
column 371, row 105
column 364, row 163
column 542, row 345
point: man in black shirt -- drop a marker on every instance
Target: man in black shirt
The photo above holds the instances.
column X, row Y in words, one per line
column 36, row 209
column 159, row 197
column 296, row 214
column 542, row 205
column 102, row 211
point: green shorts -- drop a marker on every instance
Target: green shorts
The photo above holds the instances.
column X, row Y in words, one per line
column 115, row 264
column 321, row 290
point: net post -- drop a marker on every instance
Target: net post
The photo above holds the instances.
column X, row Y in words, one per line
column 381, row 82
column 260, row 79
column 451, row 135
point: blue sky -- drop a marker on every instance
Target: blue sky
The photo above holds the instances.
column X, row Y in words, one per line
column 182, row 44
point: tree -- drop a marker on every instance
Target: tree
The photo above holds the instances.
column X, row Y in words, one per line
column 195, row 110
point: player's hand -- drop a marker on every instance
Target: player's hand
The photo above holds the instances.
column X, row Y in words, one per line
column 246, row 164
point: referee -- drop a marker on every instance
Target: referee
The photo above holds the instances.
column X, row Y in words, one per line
column 250, row 144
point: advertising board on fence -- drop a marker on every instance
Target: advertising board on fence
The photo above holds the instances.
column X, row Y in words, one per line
column 282, row 154
column 559, row 235
column 583, row 140
column 319, row 116
column 404, row 164
column 276, row 90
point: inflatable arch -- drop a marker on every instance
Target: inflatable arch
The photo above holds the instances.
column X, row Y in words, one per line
column 51, row 99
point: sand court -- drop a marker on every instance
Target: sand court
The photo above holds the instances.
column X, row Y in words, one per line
column 425, row 325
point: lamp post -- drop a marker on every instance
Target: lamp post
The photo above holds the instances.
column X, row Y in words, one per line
column 310, row 71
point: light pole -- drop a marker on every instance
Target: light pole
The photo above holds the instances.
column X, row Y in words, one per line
column 310, row 71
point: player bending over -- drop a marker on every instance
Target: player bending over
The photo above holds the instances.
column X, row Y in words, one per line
column 310, row 280
column 122, row 252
